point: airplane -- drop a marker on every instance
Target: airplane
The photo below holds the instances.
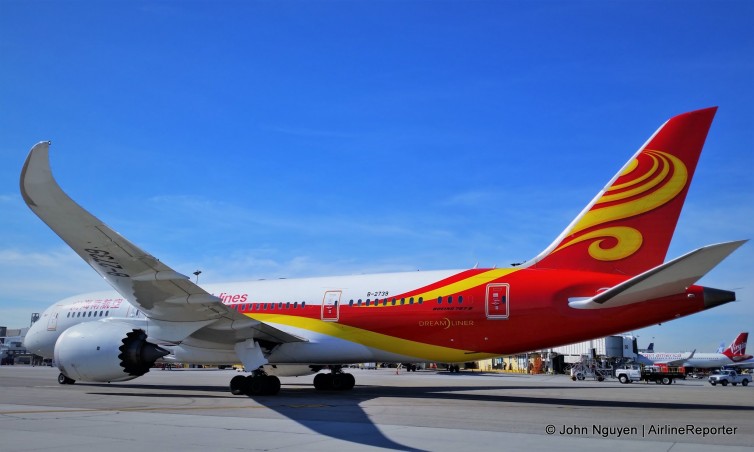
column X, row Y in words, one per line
column 735, row 353
column 604, row 274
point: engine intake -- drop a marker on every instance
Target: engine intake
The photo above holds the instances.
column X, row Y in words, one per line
column 105, row 351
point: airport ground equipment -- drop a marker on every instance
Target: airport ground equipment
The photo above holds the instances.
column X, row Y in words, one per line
column 729, row 376
column 659, row 374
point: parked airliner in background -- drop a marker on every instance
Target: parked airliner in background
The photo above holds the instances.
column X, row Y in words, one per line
column 603, row 275
column 735, row 353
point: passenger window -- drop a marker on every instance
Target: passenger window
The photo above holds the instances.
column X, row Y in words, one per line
column 421, row 300
column 411, row 300
column 460, row 299
column 439, row 300
column 450, row 299
column 393, row 302
column 359, row 302
column 303, row 304
column 368, row 302
column 287, row 305
column 295, row 305
column 384, row 302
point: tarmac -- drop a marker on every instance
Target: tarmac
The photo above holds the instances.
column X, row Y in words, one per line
column 192, row 409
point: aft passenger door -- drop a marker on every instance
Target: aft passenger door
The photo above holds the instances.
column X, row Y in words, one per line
column 331, row 306
column 496, row 305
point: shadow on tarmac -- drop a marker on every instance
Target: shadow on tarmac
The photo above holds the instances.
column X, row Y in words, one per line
column 339, row 414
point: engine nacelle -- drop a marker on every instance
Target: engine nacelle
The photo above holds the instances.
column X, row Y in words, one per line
column 105, row 351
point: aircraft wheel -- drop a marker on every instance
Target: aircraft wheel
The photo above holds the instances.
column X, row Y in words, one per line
column 272, row 385
column 258, row 385
column 351, row 382
column 322, row 381
column 63, row 380
column 338, row 382
column 237, row 384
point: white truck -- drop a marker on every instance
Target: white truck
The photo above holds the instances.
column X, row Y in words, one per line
column 628, row 373
column 659, row 374
column 729, row 376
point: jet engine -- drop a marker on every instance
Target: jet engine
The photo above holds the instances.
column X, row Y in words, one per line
column 105, row 351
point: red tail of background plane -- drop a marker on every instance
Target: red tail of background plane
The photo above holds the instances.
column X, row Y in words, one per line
column 737, row 349
column 628, row 226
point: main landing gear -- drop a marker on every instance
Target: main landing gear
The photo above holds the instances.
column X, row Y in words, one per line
column 258, row 383
column 334, row 381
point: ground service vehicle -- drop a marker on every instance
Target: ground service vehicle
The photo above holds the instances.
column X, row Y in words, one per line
column 659, row 374
column 729, row 376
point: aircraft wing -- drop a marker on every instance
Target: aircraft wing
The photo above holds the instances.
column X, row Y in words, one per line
column 678, row 362
column 176, row 306
column 670, row 278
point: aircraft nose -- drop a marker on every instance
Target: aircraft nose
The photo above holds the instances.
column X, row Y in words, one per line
column 34, row 341
column 716, row 297
column 31, row 340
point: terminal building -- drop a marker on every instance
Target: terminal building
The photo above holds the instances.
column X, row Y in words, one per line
column 560, row 359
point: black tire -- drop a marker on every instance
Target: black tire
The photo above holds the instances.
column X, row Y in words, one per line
column 724, row 382
column 272, row 385
column 322, row 382
column 237, row 385
column 745, row 383
column 338, row 382
column 63, row 380
column 666, row 380
column 713, row 383
column 255, row 385
column 350, row 382
column 623, row 379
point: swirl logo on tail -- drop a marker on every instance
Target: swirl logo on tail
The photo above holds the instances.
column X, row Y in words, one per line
column 651, row 180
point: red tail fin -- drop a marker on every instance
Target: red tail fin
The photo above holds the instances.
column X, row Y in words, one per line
column 628, row 226
column 737, row 348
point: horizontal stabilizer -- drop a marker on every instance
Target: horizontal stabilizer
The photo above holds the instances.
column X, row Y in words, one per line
column 667, row 279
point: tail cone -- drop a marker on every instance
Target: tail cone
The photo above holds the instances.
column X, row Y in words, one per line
column 716, row 297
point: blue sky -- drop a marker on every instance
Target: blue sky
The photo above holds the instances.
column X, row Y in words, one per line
column 261, row 139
